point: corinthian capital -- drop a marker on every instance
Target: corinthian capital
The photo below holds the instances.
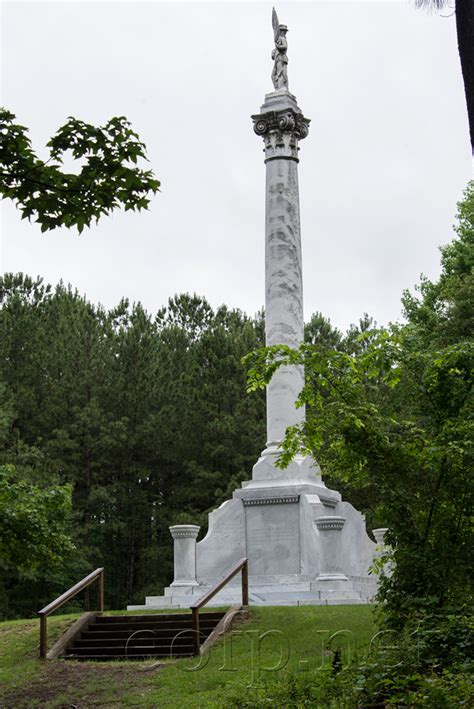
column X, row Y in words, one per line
column 281, row 131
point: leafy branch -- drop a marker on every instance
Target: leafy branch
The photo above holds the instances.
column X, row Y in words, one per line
column 109, row 177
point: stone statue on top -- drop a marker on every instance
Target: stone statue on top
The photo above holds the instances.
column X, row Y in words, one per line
column 279, row 56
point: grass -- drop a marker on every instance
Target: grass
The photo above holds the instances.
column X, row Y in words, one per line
column 285, row 639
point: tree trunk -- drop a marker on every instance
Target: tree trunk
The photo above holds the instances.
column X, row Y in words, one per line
column 465, row 32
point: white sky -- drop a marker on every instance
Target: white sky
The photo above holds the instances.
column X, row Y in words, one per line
column 385, row 162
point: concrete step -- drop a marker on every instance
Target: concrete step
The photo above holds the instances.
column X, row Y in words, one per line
column 123, row 657
column 157, row 607
column 132, row 651
column 160, row 599
column 152, row 640
column 148, row 617
column 287, row 592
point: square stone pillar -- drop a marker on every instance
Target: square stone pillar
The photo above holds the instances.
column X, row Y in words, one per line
column 332, row 575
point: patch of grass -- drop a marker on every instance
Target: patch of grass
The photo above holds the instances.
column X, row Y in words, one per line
column 286, row 639
column 276, row 640
column 19, row 643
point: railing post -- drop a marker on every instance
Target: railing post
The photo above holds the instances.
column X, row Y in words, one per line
column 98, row 575
column 245, row 584
column 43, row 636
column 101, row 592
column 196, row 634
column 240, row 566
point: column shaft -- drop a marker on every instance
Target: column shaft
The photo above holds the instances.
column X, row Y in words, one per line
column 284, row 291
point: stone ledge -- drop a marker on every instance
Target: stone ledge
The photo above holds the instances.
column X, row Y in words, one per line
column 330, row 523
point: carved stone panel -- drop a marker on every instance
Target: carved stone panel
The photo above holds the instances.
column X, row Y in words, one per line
column 273, row 538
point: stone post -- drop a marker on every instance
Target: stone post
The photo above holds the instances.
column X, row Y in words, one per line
column 381, row 549
column 331, row 570
column 184, row 536
column 281, row 125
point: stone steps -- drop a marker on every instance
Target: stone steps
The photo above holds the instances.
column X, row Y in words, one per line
column 140, row 637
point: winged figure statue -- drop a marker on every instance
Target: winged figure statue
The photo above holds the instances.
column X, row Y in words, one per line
column 279, row 56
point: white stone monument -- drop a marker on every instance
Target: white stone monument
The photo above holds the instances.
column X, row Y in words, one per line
column 303, row 543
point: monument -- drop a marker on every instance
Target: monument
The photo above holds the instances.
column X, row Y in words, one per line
column 304, row 544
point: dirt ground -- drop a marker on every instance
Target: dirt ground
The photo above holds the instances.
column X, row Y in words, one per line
column 75, row 685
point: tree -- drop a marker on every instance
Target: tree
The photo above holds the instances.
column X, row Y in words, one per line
column 145, row 417
column 109, row 176
column 397, row 414
column 464, row 11
column 319, row 331
column 34, row 523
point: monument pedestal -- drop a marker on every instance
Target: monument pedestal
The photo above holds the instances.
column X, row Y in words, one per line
column 303, row 543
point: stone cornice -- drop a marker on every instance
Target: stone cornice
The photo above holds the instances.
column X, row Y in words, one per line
column 281, row 130
column 283, row 500
column 180, row 531
column 379, row 534
column 328, row 501
column 330, row 523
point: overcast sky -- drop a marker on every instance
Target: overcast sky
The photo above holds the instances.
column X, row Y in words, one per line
column 381, row 171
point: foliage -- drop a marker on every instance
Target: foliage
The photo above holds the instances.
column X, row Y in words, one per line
column 109, row 176
column 372, row 686
column 401, row 418
column 33, row 523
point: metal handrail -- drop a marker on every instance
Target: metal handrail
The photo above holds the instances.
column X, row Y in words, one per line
column 64, row 598
column 241, row 565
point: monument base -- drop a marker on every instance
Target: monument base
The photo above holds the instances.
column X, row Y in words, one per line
column 304, row 544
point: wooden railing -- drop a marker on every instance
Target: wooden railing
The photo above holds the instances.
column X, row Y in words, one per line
column 98, row 574
column 241, row 565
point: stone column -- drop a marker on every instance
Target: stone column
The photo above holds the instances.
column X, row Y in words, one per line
column 184, row 536
column 282, row 125
column 331, row 575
